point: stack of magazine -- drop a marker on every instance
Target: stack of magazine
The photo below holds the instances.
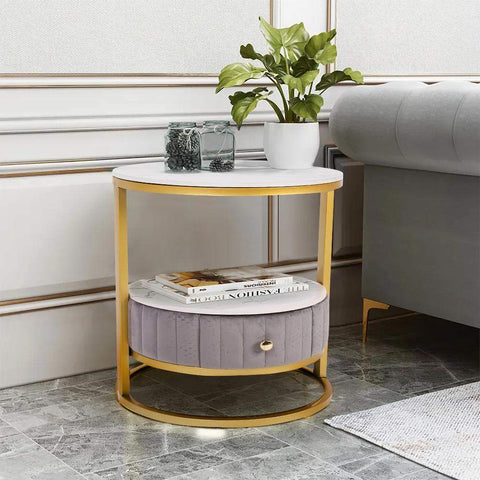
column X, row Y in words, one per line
column 224, row 284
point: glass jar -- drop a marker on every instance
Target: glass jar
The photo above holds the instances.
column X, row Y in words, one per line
column 217, row 146
column 182, row 144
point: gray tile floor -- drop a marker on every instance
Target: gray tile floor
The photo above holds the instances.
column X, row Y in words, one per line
column 72, row 428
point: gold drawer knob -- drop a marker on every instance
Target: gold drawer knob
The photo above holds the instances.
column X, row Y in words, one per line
column 266, row 345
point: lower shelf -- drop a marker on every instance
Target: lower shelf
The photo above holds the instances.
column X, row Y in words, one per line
column 304, row 411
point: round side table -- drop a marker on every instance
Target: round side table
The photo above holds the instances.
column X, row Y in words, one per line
column 249, row 179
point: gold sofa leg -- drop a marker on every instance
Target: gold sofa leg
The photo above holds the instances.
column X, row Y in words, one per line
column 367, row 306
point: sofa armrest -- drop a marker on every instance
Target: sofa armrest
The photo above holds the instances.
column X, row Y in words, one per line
column 411, row 125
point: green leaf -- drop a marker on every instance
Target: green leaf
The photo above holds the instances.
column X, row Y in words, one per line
column 247, row 51
column 293, row 39
column 276, row 66
column 307, row 107
column 243, row 103
column 327, row 55
column 237, row 74
column 318, row 42
column 330, row 79
column 302, row 82
column 303, row 65
column 354, row 75
column 279, row 68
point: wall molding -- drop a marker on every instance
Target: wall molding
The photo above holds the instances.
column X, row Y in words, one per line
column 100, row 123
column 65, row 299
column 55, row 167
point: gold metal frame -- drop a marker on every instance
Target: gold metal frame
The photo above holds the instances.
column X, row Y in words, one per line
column 124, row 374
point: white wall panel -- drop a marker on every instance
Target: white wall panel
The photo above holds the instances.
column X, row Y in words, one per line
column 313, row 13
column 61, row 233
column 55, row 343
column 77, row 123
column 126, row 36
column 409, row 37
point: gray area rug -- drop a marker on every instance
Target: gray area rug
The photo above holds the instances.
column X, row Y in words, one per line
column 440, row 430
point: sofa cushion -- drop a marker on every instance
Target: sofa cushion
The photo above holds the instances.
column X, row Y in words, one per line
column 411, row 125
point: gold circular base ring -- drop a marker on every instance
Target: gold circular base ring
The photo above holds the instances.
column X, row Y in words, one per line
column 304, row 411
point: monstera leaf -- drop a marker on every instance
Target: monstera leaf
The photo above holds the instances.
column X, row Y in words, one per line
column 293, row 39
column 307, row 107
column 330, row 79
column 237, row 74
column 318, row 42
column 245, row 102
column 300, row 83
column 278, row 68
column 303, row 65
column 320, row 49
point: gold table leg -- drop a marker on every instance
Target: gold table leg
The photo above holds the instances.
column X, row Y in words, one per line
column 324, row 266
column 121, row 289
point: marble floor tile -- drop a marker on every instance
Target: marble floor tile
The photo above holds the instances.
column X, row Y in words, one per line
column 249, row 399
column 63, row 412
column 385, row 466
column 45, row 398
column 400, row 373
column 284, row 464
column 165, row 398
column 197, row 386
column 117, row 438
column 107, row 385
column 41, row 387
column 6, row 430
column 329, row 444
column 186, row 461
column 23, row 459
column 353, row 395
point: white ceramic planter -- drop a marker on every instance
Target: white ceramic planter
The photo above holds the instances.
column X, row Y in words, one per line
column 291, row 145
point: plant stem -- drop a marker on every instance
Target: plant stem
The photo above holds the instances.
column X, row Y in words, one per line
column 280, row 89
column 290, row 117
column 277, row 110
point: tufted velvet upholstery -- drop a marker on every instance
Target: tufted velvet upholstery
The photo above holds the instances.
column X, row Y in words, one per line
column 411, row 125
column 227, row 342
column 421, row 222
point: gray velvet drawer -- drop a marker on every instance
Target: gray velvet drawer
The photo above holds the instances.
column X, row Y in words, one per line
column 227, row 342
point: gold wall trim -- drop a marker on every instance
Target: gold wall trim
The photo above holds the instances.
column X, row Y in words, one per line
column 55, row 172
column 55, row 296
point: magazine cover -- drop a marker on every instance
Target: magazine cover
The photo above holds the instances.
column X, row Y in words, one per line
column 175, row 294
column 222, row 280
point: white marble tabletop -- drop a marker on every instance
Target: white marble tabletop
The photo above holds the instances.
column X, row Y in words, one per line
column 283, row 302
column 247, row 173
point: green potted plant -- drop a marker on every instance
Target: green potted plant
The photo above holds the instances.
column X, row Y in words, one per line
column 292, row 66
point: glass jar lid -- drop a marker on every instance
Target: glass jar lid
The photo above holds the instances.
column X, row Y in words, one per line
column 212, row 123
column 182, row 125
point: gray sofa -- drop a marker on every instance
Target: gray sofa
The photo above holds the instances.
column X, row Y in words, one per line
column 421, row 148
